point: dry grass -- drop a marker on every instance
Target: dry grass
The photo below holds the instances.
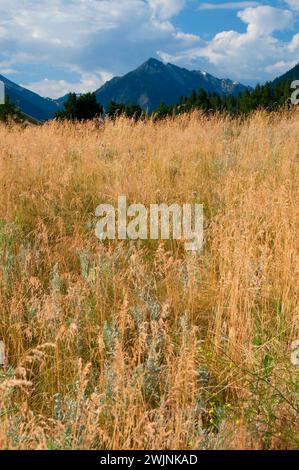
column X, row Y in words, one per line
column 139, row 345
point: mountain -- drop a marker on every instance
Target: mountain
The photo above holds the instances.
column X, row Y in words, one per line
column 30, row 103
column 289, row 76
column 154, row 82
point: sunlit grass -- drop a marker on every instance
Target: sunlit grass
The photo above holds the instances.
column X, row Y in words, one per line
column 140, row 345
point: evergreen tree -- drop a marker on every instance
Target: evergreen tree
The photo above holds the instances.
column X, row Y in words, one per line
column 88, row 107
column 133, row 111
column 163, row 111
column 203, row 101
column 268, row 96
column 114, row 110
column 80, row 108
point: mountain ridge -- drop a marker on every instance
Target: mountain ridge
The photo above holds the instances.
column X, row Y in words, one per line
column 289, row 76
column 29, row 102
column 153, row 82
column 148, row 85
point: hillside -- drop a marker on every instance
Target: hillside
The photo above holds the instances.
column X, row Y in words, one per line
column 289, row 76
column 149, row 85
column 29, row 102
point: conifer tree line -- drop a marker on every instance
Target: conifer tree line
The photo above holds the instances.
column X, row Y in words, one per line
column 268, row 96
column 80, row 108
column 84, row 107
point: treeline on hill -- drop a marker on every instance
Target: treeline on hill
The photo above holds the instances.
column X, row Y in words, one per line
column 268, row 96
column 84, row 107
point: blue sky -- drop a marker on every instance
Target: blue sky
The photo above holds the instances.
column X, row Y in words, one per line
column 57, row 46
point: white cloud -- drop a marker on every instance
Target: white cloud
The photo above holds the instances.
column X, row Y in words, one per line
column 87, row 41
column 57, row 88
column 293, row 4
column 294, row 44
column 227, row 5
column 107, row 35
column 255, row 54
column 263, row 20
column 165, row 9
column 187, row 37
column 281, row 67
column 5, row 67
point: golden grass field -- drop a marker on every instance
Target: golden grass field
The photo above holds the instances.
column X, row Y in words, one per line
column 141, row 345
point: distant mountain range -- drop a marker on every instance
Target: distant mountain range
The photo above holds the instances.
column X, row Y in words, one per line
column 29, row 102
column 289, row 76
column 154, row 82
column 148, row 85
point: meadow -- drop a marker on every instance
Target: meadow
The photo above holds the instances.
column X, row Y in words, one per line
column 140, row 344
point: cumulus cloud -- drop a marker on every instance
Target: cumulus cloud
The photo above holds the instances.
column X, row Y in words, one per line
column 227, row 5
column 88, row 41
column 263, row 20
column 57, row 88
column 107, row 35
column 166, row 9
column 281, row 66
column 253, row 54
column 293, row 4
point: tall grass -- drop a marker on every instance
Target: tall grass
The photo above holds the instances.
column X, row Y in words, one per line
column 140, row 345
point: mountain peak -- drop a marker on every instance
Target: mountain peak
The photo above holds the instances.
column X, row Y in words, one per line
column 154, row 82
column 152, row 64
